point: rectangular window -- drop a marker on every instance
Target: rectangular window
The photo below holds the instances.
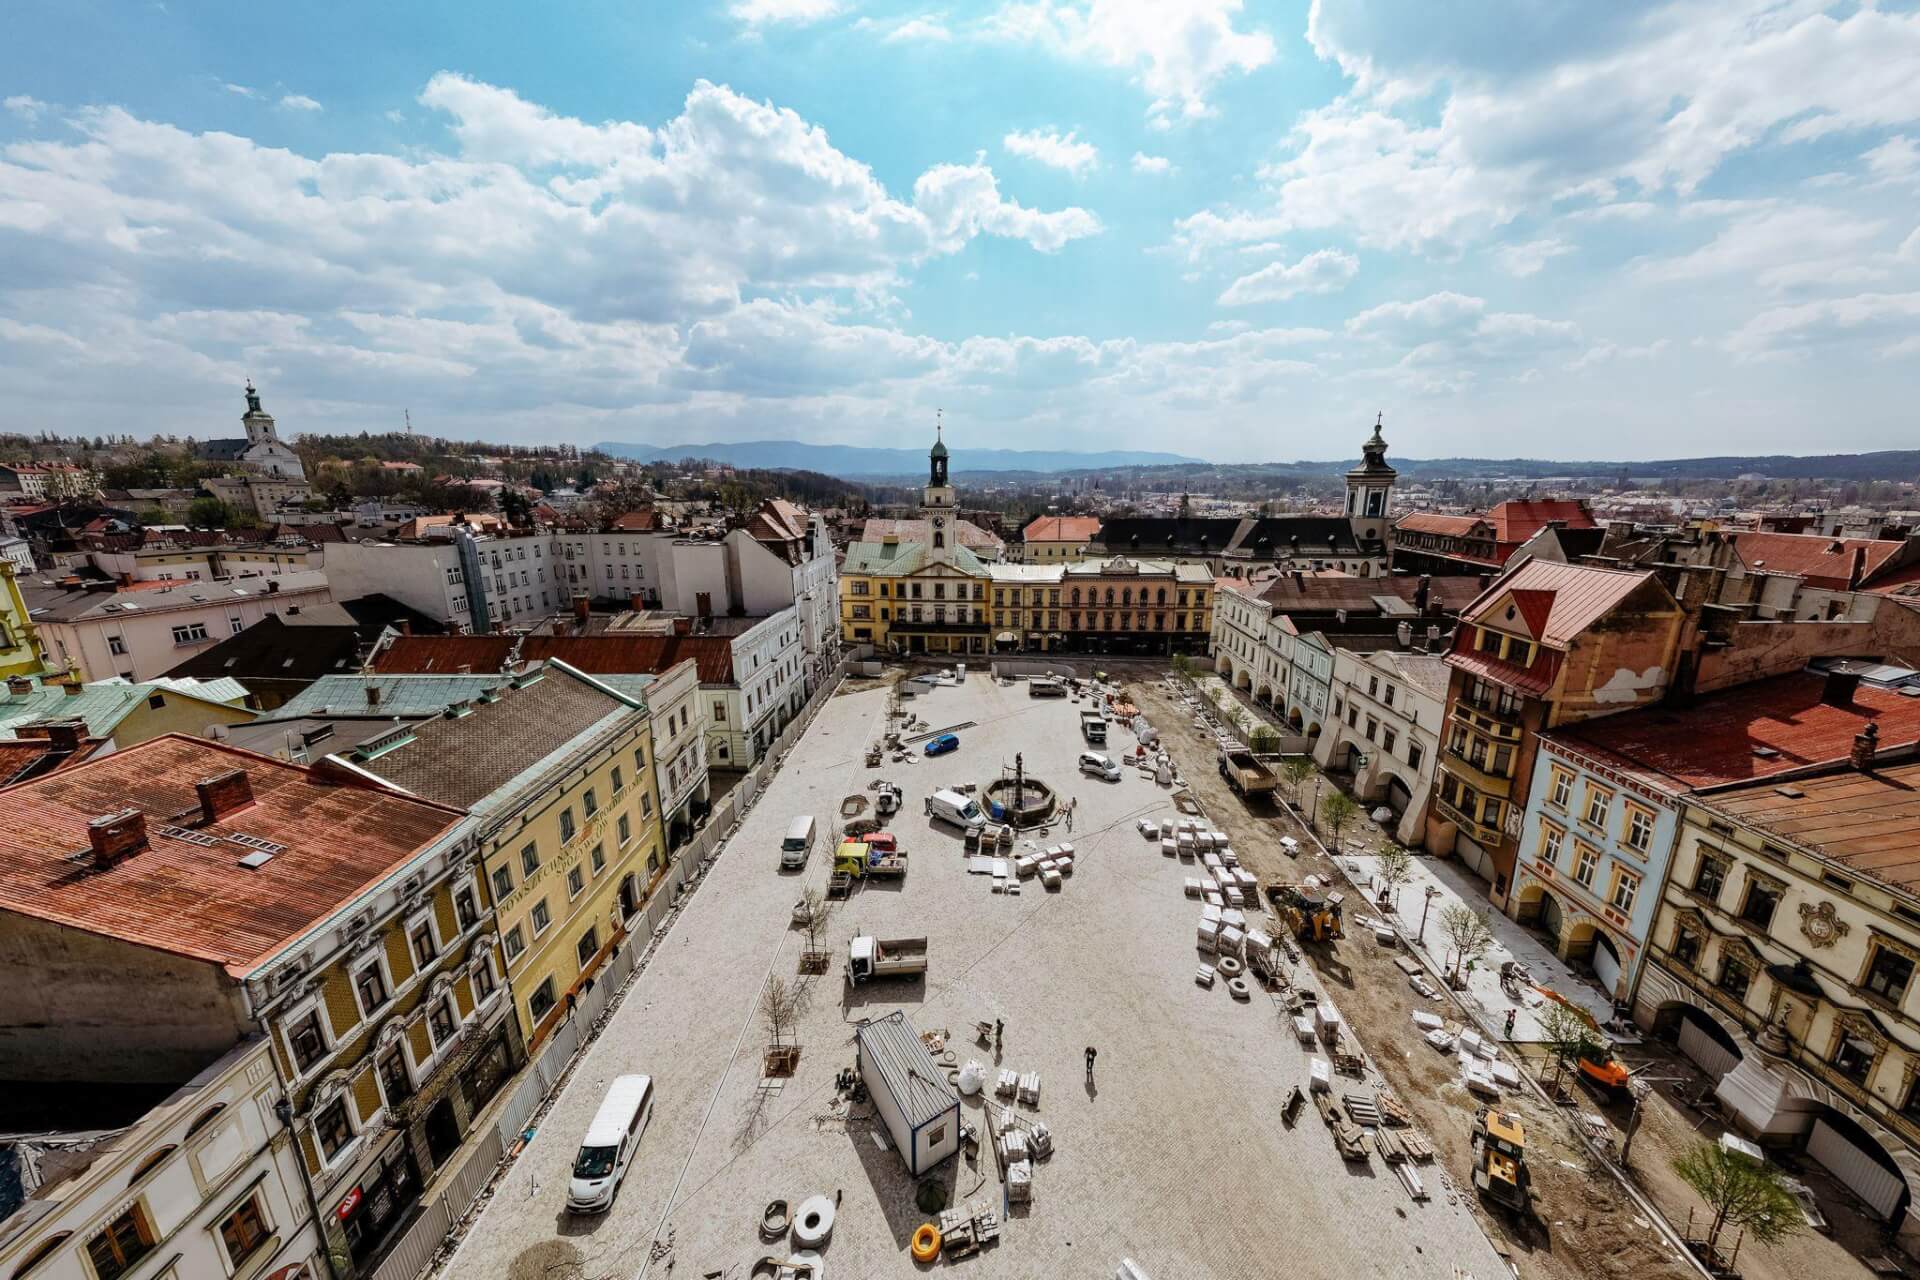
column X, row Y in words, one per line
column 1712, row 877
column 306, row 1041
column 1639, row 830
column 1490, row 813
column 1586, row 859
column 1414, row 755
column 1387, row 739
column 117, row 646
column 332, row 1128
column 422, row 942
column 1854, row 1059
column 1686, row 948
column 191, row 633
column 1561, row 791
column 514, row 943
column 502, row 882
column 590, row 802
column 121, row 1245
column 618, row 784
column 1888, row 974
column 541, row 1001
column 576, row 881
column 1550, row 838
column 1762, row 901
column 483, row 981
column 529, row 859
column 371, row 986
column 465, row 909
column 1373, row 728
column 395, row 1080
column 541, row 917
column 625, row 829
column 566, row 824
column 588, row 947
column 646, row 801
column 599, row 858
column 1597, row 804
column 1625, row 887
column 1735, row 978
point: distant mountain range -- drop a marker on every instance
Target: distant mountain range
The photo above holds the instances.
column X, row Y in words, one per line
column 856, row 460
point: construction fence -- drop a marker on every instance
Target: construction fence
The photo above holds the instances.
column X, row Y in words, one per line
column 488, row 1152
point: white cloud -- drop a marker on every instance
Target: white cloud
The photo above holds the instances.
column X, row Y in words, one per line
column 1605, row 352
column 28, row 109
column 963, row 201
column 239, row 90
column 1886, row 322
column 1529, row 257
column 1323, row 271
column 1144, row 163
column 1895, row 160
column 756, row 13
column 1910, row 247
column 299, row 102
column 1780, row 247
column 923, row 28
column 1178, row 51
column 1448, row 335
column 1054, row 149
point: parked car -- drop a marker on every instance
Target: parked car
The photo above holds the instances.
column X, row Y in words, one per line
column 881, row 842
column 941, row 744
column 1095, row 765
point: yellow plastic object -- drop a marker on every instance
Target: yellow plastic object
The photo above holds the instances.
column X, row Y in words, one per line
column 926, row 1242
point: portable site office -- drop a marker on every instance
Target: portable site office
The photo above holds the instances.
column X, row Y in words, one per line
column 921, row 1110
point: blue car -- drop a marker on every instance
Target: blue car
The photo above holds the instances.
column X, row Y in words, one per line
column 944, row 743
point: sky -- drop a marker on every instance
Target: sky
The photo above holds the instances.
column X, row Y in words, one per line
column 1224, row 228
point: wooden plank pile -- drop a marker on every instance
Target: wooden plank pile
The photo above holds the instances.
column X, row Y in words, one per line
column 1348, row 1138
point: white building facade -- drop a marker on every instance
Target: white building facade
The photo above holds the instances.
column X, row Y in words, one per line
column 1385, row 730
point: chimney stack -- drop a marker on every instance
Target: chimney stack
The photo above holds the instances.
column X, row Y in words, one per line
column 222, row 794
column 1433, row 638
column 62, row 735
column 19, row 686
column 74, row 688
column 683, row 626
column 115, row 837
column 1404, row 634
column 1420, row 593
column 582, row 608
column 1858, row 569
column 636, row 603
column 1864, row 744
column 373, row 694
column 1839, row 688
column 406, row 627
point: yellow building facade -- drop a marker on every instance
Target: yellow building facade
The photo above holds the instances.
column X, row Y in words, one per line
column 19, row 642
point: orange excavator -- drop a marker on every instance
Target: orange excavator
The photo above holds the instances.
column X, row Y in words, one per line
column 1597, row 1063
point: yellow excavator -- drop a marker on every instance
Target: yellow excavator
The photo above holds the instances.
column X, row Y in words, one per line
column 1311, row 912
column 1500, row 1159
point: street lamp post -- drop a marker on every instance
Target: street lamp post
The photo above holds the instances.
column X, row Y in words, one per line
column 1432, row 893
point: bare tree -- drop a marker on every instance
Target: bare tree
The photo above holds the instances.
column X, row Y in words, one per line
column 1297, row 769
column 1569, row 1037
column 813, row 913
column 779, row 1010
column 1338, row 809
column 1468, row 933
column 1394, row 867
column 1740, row 1192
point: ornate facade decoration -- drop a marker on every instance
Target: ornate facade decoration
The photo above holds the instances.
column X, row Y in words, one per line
column 1822, row 924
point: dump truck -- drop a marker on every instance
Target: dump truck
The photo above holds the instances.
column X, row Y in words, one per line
column 859, row 859
column 1309, row 910
column 1247, row 773
column 871, row 957
column 1500, row 1158
column 1093, row 727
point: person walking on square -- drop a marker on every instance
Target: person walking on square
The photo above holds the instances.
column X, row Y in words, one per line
column 1511, row 1015
column 1090, row 1057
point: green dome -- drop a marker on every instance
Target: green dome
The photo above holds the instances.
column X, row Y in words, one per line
column 939, row 448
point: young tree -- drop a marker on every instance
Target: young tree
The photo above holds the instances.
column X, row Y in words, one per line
column 1467, row 933
column 779, row 1009
column 1264, row 739
column 208, row 513
column 1338, row 808
column 1740, row 1192
column 1297, row 770
column 1569, row 1038
column 814, row 910
column 1395, row 868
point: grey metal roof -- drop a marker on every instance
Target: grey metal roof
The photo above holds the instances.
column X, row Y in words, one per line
column 403, row 695
column 912, row 1076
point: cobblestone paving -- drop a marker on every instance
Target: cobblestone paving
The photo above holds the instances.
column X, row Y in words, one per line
column 1174, row 1156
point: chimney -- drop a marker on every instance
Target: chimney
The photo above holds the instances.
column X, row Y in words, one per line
column 1858, row 569
column 222, row 794
column 1420, row 592
column 19, row 686
column 636, row 603
column 683, row 626
column 1864, row 742
column 117, row 836
column 373, row 695
column 74, row 688
column 582, row 608
column 124, row 579
column 1340, row 616
column 1404, row 634
column 499, row 626
column 1433, row 639
column 1839, row 688
column 406, row 627
column 62, row 735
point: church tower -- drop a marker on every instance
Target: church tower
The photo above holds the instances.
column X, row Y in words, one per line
column 257, row 421
column 936, row 503
column 1370, row 488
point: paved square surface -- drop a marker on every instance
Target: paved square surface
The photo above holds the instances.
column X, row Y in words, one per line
column 1175, row 1156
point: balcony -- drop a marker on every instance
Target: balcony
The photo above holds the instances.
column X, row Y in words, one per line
column 1488, row 711
column 1487, row 784
column 1485, row 835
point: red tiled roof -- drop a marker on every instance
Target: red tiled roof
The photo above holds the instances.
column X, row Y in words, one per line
column 642, row 521
column 443, row 655
column 1903, row 582
column 1822, row 561
column 1714, row 741
column 1319, row 593
column 1434, row 522
column 1582, row 595
column 968, row 533
column 192, row 900
column 1062, row 529
column 1536, row 679
column 636, row 655
column 1517, row 519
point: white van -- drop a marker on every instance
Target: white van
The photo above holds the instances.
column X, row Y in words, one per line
column 610, row 1143
column 798, row 844
column 951, row 806
column 1095, row 765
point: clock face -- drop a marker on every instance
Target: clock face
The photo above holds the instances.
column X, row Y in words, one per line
column 939, row 522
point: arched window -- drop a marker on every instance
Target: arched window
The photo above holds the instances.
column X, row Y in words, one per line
column 1160, row 596
column 205, row 1118
column 151, row 1163
column 41, row 1254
